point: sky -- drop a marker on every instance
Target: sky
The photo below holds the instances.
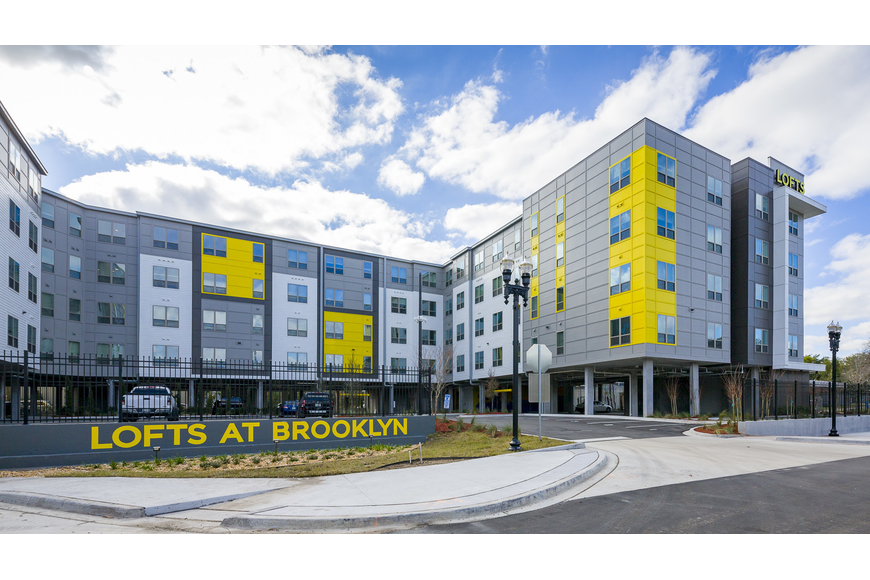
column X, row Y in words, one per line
column 418, row 151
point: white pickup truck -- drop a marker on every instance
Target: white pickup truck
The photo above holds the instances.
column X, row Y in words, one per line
column 148, row 402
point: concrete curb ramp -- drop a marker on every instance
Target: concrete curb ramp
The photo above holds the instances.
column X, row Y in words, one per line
column 556, row 481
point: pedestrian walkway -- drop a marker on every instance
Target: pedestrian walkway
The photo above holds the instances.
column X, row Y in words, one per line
column 847, row 439
column 459, row 491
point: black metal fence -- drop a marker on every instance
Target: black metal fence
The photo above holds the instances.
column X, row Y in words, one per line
column 65, row 388
column 776, row 399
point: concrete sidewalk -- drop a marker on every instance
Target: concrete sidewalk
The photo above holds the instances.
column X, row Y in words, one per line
column 459, row 491
column 843, row 439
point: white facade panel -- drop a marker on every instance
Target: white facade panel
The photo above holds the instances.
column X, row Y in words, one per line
column 491, row 339
column 181, row 298
column 282, row 309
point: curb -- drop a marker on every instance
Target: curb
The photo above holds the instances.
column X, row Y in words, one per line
column 823, row 440
column 420, row 517
column 91, row 508
column 694, row 433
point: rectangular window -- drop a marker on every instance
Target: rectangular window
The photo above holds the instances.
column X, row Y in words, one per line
column 297, row 293
column 428, row 308
column 46, row 348
column 297, row 259
column 666, row 276
column 667, row 333
column 497, row 321
column 665, row 223
column 714, row 239
column 620, row 331
column 398, row 365
column 48, row 260
column 762, row 251
column 534, row 313
column 534, row 224
column 761, row 340
column 214, row 283
column 460, row 301
column 119, row 313
column 792, row 264
column 460, row 332
column 620, row 175
column 257, row 324
column 75, row 309
column 560, row 299
column 478, row 327
column 620, row 279
column 33, row 184
column 334, row 360
column 460, row 363
column 104, row 231
column 534, row 265
column 667, row 170
column 714, row 190
column 74, row 350
column 14, row 275
column 478, row 261
column 518, row 239
column 104, row 272
column 497, row 286
column 448, row 278
column 214, row 357
column 334, row 330
column 164, row 355
column 335, row 298
column 560, row 342
column 107, row 272
column 762, row 296
column 214, row 246
column 166, row 316
column 398, row 305
column 297, row 327
column 460, row 269
column 119, row 233
column 478, row 360
column 214, row 320
column 792, row 223
column 31, row 339
column 792, row 345
column 560, row 254
column 12, row 332
column 399, row 275
column 258, row 288
column 792, row 305
column 762, row 207
column 14, row 218
column 367, row 270
column 714, row 335
column 297, row 358
column 398, row 335
column 75, row 267
column 119, row 273
column 33, row 242
column 32, row 287
column 478, row 294
column 497, row 250
column 714, row 287
column 165, row 238
column 163, row 277
column 14, row 160
column 259, row 251
column 429, row 338
column 560, row 209
column 448, row 306
column 620, row 227
column 47, row 304
column 75, row 225
column 334, row 265
column 367, row 301
column 497, row 359
column 448, row 336
column 48, row 215
column 104, row 313
column 367, row 332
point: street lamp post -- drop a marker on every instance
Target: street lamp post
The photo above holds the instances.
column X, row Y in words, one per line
column 419, row 320
column 834, row 337
column 516, row 290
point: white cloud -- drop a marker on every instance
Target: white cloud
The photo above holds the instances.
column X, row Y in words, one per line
column 269, row 109
column 845, row 298
column 399, row 177
column 305, row 211
column 473, row 222
column 462, row 143
column 808, row 108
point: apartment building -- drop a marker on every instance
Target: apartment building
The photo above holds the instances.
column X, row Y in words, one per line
column 653, row 257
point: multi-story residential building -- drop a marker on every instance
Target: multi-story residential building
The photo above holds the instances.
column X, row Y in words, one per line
column 653, row 257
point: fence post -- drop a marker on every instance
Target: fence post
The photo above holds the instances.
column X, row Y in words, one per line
column 754, row 394
column 201, row 391
column 813, row 399
column 270, row 403
column 845, row 409
column 120, row 384
column 859, row 399
column 795, row 398
column 26, row 386
column 775, row 400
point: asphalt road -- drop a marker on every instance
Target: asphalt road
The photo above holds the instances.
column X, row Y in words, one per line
column 580, row 427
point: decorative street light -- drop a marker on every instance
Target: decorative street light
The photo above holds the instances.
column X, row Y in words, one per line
column 419, row 320
column 834, row 336
column 516, row 290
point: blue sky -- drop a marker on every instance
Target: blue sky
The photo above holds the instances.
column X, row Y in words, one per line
column 419, row 150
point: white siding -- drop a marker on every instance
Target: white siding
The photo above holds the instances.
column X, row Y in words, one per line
column 181, row 298
column 282, row 310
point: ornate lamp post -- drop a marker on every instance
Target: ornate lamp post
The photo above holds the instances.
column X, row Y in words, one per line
column 516, row 290
column 834, row 337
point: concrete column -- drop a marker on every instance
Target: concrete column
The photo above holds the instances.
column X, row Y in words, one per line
column 694, row 384
column 481, row 398
column 503, row 401
column 259, row 394
column 589, row 389
column 647, row 387
column 632, row 394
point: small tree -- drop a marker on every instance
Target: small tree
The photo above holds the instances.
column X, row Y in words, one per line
column 441, row 372
column 672, row 385
column 490, row 386
column 733, row 381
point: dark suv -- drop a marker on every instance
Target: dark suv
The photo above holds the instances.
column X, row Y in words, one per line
column 314, row 404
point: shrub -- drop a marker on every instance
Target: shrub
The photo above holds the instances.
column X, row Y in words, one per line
column 136, row 464
column 458, row 425
column 113, row 465
column 292, row 458
column 492, row 431
column 704, row 417
column 237, row 459
column 216, row 464
column 657, row 414
column 255, row 460
column 157, row 461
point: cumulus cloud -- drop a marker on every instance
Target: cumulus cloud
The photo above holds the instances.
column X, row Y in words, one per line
column 808, row 108
column 845, row 298
column 398, row 176
column 462, row 143
column 268, row 109
column 305, row 211
column 473, row 222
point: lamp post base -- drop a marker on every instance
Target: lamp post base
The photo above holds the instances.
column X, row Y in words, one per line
column 515, row 444
column 833, row 433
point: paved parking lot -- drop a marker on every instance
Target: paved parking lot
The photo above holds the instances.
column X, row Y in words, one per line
column 583, row 428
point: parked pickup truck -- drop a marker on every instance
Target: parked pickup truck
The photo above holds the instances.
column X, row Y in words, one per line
column 148, row 402
column 314, row 404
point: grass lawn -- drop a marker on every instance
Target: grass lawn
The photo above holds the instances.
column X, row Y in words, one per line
column 452, row 441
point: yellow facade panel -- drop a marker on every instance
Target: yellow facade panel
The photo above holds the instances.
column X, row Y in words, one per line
column 352, row 347
column 238, row 266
